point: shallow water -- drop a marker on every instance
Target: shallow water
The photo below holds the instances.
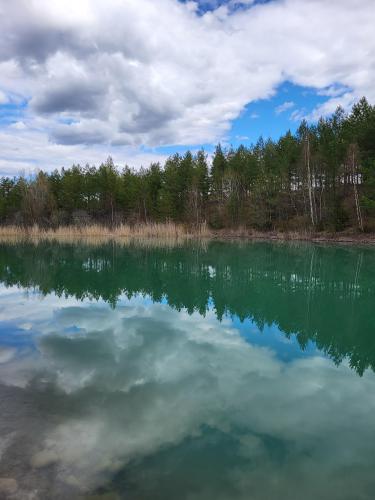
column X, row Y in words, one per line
column 225, row 371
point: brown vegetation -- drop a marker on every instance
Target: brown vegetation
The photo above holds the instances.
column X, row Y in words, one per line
column 169, row 233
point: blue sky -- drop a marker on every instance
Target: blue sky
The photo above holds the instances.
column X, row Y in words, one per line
column 141, row 79
column 268, row 118
column 211, row 5
column 274, row 116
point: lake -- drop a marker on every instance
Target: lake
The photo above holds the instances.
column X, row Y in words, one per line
column 196, row 372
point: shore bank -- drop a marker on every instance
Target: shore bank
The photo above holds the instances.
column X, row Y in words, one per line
column 315, row 237
column 175, row 232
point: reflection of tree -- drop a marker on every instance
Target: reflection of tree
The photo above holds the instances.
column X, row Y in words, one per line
column 323, row 294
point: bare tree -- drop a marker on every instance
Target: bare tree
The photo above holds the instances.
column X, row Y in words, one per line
column 353, row 159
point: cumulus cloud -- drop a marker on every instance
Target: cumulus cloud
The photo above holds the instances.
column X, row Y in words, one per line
column 85, row 132
column 74, row 97
column 24, row 150
column 162, row 73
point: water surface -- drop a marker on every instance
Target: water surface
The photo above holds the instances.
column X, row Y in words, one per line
column 199, row 372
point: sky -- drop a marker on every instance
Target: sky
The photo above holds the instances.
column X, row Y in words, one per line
column 141, row 79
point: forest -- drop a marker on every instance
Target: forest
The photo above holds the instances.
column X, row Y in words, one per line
column 322, row 178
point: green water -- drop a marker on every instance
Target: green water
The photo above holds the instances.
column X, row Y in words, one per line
column 219, row 371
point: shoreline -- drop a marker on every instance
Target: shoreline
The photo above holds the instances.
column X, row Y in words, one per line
column 171, row 233
column 319, row 237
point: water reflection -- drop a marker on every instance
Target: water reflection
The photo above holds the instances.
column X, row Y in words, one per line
column 127, row 373
column 322, row 294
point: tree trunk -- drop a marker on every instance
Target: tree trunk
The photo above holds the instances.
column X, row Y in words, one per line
column 356, row 198
column 309, row 182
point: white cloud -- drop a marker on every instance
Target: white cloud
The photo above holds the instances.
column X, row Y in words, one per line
column 3, row 98
column 23, row 151
column 345, row 100
column 18, row 126
column 298, row 115
column 146, row 72
column 284, row 107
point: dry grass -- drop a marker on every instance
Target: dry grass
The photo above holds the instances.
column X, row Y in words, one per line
column 163, row 232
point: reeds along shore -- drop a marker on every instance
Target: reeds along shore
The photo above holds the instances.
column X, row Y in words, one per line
column 160, row 231
column 167, row 233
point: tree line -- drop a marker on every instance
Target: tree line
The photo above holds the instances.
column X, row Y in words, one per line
column 321, row 177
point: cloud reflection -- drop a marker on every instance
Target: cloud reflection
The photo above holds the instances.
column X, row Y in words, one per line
column 143, row 397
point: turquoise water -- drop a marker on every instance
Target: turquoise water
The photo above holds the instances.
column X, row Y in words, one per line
column 218, row 371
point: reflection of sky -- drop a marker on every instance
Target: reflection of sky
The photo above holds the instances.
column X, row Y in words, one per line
column 136, row 386
column 272, row 337
column 12, row 335
column 43, row 313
